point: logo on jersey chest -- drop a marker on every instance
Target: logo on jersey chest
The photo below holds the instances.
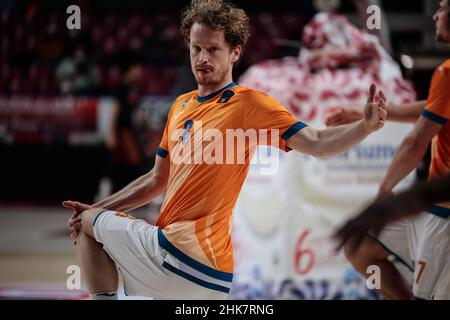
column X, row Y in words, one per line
column 226, row 96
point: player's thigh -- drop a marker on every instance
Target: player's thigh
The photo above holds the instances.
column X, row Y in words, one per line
column 133, row 246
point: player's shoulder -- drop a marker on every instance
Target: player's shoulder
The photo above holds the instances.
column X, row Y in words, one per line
column 444, row 68
column 446, row 64
column 249, row 93
column 185, row 97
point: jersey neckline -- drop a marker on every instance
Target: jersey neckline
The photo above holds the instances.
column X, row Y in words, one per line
column 215, row 93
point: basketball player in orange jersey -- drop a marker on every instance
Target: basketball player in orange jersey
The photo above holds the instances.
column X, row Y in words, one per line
column 188, row 254
column 428, row 235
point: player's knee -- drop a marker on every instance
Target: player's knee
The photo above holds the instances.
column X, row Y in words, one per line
column 87, row 220
column 88, row 216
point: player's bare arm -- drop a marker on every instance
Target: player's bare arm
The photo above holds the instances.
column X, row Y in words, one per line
column 408, row 112
column 410, row 153
column 331, row 141
column 138, row 193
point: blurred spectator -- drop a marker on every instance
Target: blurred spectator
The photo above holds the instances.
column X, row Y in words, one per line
column 77, row 74
column 127, row 157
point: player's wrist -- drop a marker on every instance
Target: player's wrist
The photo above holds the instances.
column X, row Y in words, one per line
column 367, row 127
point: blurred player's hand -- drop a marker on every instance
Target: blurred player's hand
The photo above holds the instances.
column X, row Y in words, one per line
column 372, row 220
column 383, row 194
column 75, row 219
column 343, row 115
column 375, row 110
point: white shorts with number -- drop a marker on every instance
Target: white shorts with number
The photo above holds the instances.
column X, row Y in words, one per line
column 134, row 247
column 422, row 244
column 429, row 242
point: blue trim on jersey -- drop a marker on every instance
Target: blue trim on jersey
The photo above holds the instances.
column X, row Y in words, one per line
column 212, row 95
column 439, row 211
column 434, row 117
column 161, row 152
column 198, row 281
column 296, row 127
column 165, row 244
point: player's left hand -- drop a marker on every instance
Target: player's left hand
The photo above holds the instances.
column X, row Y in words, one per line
column 375, row 110
column 343, row 115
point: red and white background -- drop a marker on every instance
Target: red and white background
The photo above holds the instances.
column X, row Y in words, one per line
column 283, row 222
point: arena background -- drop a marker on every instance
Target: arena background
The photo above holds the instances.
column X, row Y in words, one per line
column 58, row 88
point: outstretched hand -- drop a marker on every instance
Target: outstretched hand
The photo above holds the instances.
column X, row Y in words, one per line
column 75, row 219
column 375, row 110
column 343, row 115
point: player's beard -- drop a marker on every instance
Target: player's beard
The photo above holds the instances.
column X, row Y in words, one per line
column 441, row 37
column 210, row 79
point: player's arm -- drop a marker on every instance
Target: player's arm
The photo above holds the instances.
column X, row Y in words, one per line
column 141, row 191
column 406, row 204
column 331, row 141
column 410, row 153
column 408, row 112
column 136, row 194
column 412, row 201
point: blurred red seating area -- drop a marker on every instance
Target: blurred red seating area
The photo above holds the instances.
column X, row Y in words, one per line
column 40, row 56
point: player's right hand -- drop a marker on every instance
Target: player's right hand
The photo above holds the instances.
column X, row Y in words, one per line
column 75, row 219
column 375, row 110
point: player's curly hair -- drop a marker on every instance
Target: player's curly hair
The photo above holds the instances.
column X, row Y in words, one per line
column 218, row 15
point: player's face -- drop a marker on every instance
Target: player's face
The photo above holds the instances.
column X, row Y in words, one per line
column 211, row 57
column 442, row 22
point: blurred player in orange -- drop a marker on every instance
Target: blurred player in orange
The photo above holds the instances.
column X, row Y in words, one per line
column 428, row 234
column 201, row 163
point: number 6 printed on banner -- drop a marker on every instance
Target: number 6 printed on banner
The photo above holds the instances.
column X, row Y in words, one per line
column 302, row 254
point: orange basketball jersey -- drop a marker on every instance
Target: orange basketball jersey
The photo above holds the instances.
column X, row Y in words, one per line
column 437, row 109
column 210, row 141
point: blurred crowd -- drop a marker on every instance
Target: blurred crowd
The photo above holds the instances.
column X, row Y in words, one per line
column 40, row 56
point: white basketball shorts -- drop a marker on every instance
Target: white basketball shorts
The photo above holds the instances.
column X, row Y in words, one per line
column 147, row 268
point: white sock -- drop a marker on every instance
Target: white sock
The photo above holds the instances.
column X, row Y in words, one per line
column 108, row 295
